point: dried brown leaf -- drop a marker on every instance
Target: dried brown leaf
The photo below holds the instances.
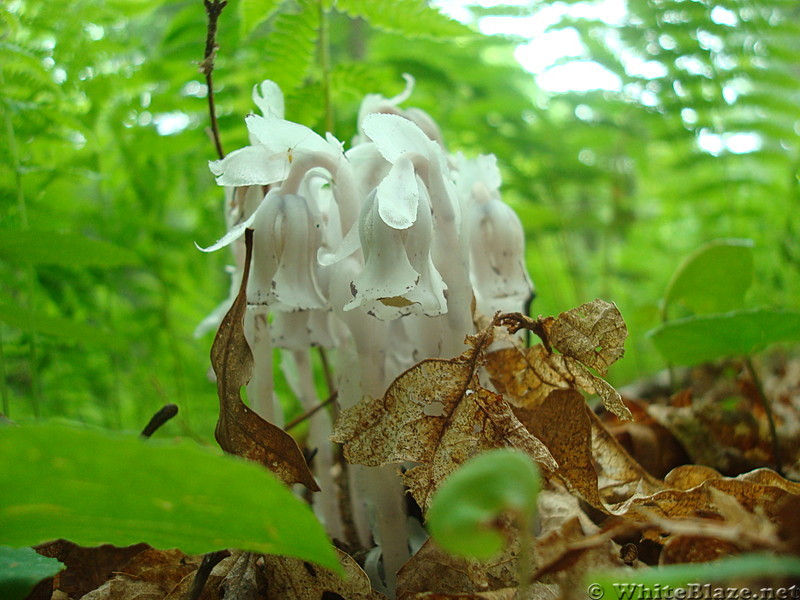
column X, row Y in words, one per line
column 436, row 414
column 593, row 333
column 242, row 581
column 570, row 442
column 537, row 591
column 87, row 568
column 686, row 477
column 126, row 588
column 694, row 549
column 433, row 570
column 211, row 589
column 239, row 430
column 295, row 579
column 619, row 476
column 526, row 376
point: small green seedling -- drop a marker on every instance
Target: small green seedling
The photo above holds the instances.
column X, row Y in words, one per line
column 464, row 514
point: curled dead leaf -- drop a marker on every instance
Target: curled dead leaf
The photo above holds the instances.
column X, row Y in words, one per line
column 593, row 334
column 436, row 414
column 526, row 376
column 239, row 430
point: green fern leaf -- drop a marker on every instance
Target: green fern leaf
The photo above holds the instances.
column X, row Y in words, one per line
column 291, row 46
column 253, row 13
column 411, row 18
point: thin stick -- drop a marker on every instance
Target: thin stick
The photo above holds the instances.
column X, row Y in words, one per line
column 213, row 10
column 162, row 416
column 773, row 432
column 210, row 561
column 299, row 419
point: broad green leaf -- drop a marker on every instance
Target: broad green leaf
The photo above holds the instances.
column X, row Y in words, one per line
column 704, row 338
column 21, row 569
column 254, row 12
column 664, row 580
column 94, row 487
column 411, row 18
column 714, row 278
column 23, row 319
column 65, row 249
column 474, row 497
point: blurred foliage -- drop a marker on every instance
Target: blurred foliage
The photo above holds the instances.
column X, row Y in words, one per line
column 103, row 137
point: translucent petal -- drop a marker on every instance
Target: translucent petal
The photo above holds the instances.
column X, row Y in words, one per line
column 230, row 237
column 251, row 165
column 497, row 270
column 395, row 136
column 279, row 135
column 269, row 99
column 387, row 274
column 398, row 195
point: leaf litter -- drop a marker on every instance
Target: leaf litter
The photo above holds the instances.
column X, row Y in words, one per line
column 601, row 509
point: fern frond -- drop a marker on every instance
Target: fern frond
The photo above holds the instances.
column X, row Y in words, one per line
column 291, row 46
column 411, row 18
column 253, row 13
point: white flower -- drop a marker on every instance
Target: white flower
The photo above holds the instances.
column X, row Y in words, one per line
column 377, row 103
column 497, row 240
column 398, row 277
column 275, row 144
column 285, row 242
column 402, row 144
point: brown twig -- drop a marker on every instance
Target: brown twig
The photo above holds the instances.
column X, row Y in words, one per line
column 210, row 561
column 300, row 418
column 162, row 416
column 213, row 10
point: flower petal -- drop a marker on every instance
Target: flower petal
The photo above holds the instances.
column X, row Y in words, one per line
column 398, row 195
column 395, row 136
column 251, row 165
column 269, row 99
column 234, row 234
column 283, row 136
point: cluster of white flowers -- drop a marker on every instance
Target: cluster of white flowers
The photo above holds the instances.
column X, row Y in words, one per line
column 384, row 252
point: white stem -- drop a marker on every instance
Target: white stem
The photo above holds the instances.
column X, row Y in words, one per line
column 345, row 190
column 260, row 388
column 326, row 502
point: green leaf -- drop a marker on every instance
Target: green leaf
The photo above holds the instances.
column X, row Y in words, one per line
column 254, row 12
column 94, row 487
column 411, row 18
column 26, row 320
column 291, row 47
column 64, row 249
column 21, row 569
column 470, row 501
column 714, row 278
column 694, row 340
column 662, row 581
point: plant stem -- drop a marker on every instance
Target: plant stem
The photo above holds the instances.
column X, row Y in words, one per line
column 325, row 60
column 773, row 432
column 309, row 413
column 213, row 10
column 524, row 556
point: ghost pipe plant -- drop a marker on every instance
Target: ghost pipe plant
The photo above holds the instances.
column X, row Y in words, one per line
column 380, row 255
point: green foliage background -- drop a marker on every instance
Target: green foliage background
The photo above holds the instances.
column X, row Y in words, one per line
column 102, row 286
